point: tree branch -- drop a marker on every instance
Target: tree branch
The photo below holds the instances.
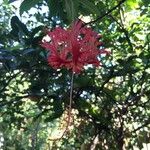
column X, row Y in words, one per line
column 107, row 13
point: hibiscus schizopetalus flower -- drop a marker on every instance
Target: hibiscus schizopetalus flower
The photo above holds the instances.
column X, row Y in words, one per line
column 73, row 48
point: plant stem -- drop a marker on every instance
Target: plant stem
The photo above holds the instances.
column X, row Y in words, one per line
column 70, row 105
column 107, row 13
column 69, row 110
column 71, row 94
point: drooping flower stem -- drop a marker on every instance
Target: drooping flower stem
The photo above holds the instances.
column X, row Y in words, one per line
column 68, row 111
column 70, row 105
column 70, row 99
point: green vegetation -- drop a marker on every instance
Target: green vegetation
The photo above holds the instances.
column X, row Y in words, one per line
column 111, row 103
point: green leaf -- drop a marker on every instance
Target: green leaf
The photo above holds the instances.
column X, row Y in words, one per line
column 71, row 9
column 18, row 26
column 90, row 6
column 146, row 2
column 55, row 8
column 27, row 4
column 83, row 81
column 83, row 104
column 36, row 30
column 132, row 4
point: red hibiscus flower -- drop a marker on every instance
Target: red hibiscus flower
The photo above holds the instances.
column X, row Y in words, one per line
column 73, row 48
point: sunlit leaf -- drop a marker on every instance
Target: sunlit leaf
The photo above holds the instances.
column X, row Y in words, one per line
column 27, row 5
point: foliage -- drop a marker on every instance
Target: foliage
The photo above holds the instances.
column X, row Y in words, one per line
column 110, row 103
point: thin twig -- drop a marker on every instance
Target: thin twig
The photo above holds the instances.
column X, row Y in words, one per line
column 107, row 13
column 147, row 122
column 124, row 31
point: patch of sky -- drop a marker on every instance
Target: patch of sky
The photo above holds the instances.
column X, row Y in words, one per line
column 31, row 14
